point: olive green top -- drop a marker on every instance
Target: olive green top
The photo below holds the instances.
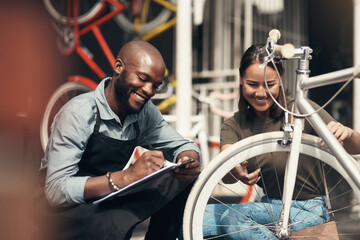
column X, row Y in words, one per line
column 309, row 177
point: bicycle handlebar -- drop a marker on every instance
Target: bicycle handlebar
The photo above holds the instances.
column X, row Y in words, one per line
column 274, row 35
column 285, row 51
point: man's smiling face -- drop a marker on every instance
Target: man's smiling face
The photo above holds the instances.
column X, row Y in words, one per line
column 137, row 84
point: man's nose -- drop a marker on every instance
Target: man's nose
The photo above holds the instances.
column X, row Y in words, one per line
column 149, row 89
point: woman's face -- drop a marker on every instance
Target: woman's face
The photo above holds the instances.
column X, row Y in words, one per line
column 254, row 89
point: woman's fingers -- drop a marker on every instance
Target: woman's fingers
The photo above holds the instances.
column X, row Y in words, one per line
column 340, row 131
column 248, row 178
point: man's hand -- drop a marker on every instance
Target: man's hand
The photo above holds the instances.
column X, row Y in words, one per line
column 146, row 164
column 189, row 171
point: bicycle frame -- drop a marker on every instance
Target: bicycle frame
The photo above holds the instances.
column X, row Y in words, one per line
column 302, row 106
column 94, row 28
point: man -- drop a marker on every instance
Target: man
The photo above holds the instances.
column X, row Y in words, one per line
column 92, row 139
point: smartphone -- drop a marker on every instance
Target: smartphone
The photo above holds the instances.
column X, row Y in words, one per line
column 186, row 162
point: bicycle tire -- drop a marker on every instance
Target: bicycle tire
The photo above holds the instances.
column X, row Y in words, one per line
column 252, row 147
column 61, row 96
column 125, row 21
column 87, row 10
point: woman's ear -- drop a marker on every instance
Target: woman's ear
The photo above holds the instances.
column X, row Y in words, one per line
column 241, row 81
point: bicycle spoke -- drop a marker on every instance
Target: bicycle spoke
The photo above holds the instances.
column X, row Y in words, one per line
column 304, row 220
column 275, row 218
column 277, row 181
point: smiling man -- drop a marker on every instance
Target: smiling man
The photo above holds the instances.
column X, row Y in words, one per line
column 92, row 139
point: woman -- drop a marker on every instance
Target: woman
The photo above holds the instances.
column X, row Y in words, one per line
column 258, row 114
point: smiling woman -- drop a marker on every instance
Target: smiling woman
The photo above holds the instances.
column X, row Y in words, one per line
column 251, row 74
column 255, row 91
column 259, row 114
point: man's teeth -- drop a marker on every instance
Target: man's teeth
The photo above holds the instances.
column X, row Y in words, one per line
column 139, row 97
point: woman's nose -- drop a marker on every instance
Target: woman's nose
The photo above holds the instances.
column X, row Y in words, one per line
column 260, row 92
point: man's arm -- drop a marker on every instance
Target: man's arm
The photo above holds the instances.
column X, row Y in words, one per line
column 161, row 136
column 65, row 148
column 148, row 163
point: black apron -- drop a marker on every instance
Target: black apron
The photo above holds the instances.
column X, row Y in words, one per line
column 116, row 218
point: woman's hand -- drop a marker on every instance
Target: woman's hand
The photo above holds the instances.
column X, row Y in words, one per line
column 347, row 137
column 244, row 176
column 340, row 131
column 240, row 172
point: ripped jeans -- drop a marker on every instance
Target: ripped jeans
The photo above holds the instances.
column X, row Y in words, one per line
column 256, row 220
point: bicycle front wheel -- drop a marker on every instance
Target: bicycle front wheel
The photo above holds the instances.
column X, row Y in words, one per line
column 343, row 196
column 61, row 96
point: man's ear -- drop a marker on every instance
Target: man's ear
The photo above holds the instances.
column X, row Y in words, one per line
column 118, row 66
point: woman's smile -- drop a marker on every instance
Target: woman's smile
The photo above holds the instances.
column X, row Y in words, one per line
column 255, row 90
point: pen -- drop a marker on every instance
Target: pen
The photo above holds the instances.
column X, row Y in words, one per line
column 151, row 147
column 148, row 143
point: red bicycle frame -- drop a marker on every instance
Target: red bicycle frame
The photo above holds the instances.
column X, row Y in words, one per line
column 94, row 28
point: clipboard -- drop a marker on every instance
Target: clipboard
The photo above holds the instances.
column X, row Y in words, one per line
column 144, row 182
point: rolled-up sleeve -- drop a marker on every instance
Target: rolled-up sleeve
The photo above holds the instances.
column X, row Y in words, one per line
column 64, row 150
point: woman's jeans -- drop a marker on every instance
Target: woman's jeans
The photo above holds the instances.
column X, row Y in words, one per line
column 256, row 220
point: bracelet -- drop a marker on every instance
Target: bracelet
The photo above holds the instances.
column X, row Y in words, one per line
column 112, row 185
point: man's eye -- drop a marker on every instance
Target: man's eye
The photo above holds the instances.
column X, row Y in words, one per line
column 141, row 78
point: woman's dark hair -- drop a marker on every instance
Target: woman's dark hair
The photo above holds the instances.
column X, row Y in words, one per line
column 256, row 54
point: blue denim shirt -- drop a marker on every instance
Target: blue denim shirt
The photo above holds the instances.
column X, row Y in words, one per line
column 74, row 124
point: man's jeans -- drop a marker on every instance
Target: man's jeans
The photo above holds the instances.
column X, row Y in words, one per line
column 256, row 220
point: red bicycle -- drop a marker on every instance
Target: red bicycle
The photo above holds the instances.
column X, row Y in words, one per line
column 74, row 26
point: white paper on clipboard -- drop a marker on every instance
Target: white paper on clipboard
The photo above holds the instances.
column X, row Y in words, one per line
column 142, row 183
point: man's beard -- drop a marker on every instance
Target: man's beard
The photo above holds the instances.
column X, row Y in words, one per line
column 123, row 92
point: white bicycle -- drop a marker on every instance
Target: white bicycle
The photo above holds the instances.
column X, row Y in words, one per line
column 340, row 172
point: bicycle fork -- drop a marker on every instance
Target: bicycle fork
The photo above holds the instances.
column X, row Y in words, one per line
column 282, row 227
